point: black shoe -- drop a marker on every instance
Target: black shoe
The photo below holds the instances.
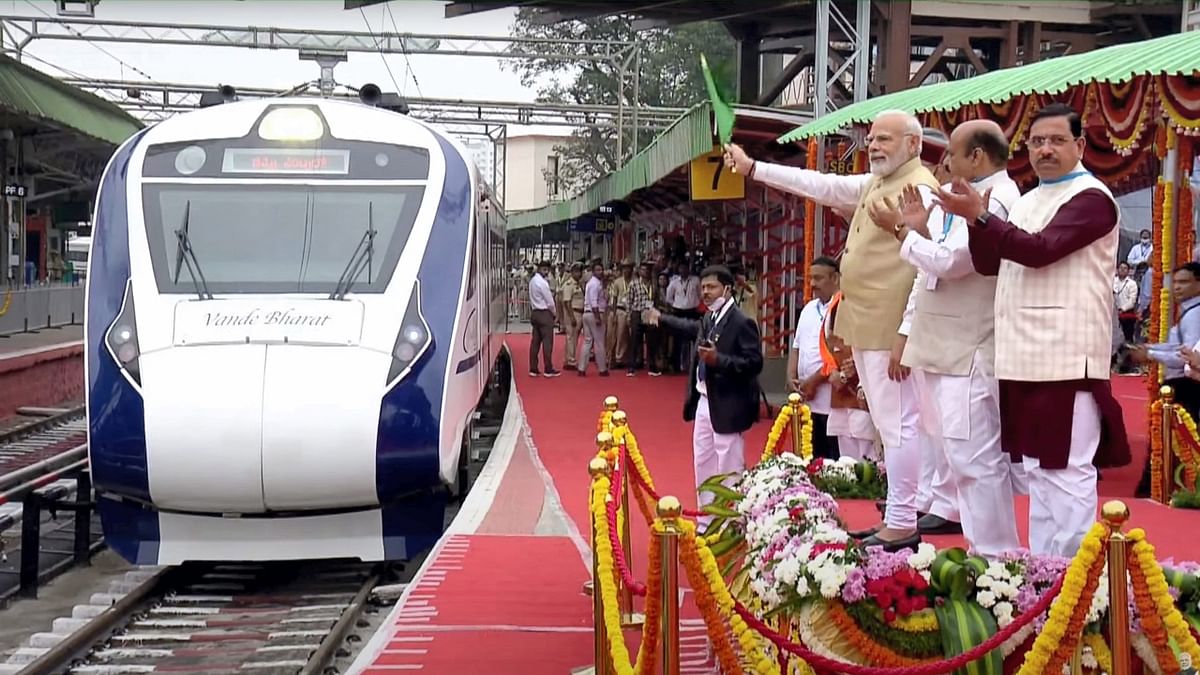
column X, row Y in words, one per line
column 910, row 542
column 931, row 524
column 864, row 534
column 553, row 373
column 582, row 373
column 534, row 373
column 603, row 373
column 630, row 373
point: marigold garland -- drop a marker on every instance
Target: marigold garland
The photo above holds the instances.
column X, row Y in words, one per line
column 1186, row 443
column 706, row 601
column 867, row 645
column 810, row 230
column 1156, row 451
column 605, row 421
column 1185, row 238
column 775, row 435
column 1055, row 642
column 1148, row 568
column 606, row 584
column 806, row 444
column 623, row 436
column 753, row 647
column 1100, row 650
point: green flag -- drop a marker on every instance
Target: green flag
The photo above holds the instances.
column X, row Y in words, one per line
column 722, row 111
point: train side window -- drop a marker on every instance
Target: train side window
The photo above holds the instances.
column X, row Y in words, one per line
column 473, row 265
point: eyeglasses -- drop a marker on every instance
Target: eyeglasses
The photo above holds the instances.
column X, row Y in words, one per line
column 885, row 138
column 1054, row 141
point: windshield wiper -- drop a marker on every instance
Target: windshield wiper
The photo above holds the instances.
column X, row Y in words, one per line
column 363, row 256
column 184, row 253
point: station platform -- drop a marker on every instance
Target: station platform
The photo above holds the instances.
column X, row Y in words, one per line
column 501, row 592
column 41, row 368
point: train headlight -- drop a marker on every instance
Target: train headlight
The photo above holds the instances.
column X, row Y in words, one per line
column 122, row 338
column 190, row 160
column 413, row 341
column 291, row 124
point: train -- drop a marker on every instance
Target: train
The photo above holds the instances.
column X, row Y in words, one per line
column 294, row 307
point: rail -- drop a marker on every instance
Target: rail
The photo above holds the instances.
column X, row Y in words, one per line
column 1052, row 630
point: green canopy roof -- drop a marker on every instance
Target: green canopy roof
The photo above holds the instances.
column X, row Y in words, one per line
column 1171, row 55
column 29, row 92
column 686, row 139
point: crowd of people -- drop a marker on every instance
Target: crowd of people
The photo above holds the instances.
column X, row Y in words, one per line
column 966, row 329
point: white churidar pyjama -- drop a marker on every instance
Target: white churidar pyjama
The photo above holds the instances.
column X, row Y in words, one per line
column 894, row 411
column 712, row 453
column 1062, row 502
column 968, row 412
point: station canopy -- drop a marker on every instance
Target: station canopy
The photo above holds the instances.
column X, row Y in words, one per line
column 1173, row 55
column 658, row 176
column 70, row 133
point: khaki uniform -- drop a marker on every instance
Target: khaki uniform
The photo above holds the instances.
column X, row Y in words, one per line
column 570, row 297
column 618, row 321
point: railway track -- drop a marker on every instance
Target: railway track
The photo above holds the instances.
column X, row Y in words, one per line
column 37, row 452
column 267, row 618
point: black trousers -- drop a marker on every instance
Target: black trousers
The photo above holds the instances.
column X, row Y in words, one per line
column 1187, row 394
column 643, row 344
column 542, row 321
column 824, row 445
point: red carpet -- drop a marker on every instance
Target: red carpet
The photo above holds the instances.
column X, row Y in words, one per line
column 562, row 413
column 480, row 607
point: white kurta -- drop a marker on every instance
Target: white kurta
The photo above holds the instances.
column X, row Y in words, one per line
column 964, row 463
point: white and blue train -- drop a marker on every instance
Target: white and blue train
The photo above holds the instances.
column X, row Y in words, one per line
column 292, row 313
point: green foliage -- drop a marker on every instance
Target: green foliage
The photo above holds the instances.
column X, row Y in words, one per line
column 1185, row 498
column 670, row 75
column 914, row 645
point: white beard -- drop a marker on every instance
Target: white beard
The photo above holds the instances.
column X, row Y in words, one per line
column 886, row 167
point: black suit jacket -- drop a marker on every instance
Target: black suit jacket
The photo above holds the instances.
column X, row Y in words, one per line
column 733, row 390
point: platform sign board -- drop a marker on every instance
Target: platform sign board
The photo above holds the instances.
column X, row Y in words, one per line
column 709, row 179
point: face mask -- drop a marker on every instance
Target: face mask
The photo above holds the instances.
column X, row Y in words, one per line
column 717, row 304
column 1145, row 240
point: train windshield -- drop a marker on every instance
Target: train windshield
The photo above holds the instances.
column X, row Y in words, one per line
column 276, row 238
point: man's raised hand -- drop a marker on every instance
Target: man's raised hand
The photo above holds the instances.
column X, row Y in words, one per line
column 736, row 159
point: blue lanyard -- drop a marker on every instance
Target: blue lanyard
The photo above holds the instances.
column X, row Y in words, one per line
column 949, row 220
column 1070, row 176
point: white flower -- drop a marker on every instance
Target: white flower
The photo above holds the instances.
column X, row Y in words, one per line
column 1004, row 613
column 924, row 556
column 1089, row 659
column 984, row 581
column 802, row 588
column 985, row 598
column 788, row 570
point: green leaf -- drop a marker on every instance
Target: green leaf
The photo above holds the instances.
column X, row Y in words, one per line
column 721, row 491
column 953, row 572
column 723, row 546
column 718, row 510
column 964, row 626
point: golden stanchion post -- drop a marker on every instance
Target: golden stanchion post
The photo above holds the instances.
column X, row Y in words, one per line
column 794, row 402
column 1076, row 662
column 629, row 618
column 1115, row 514
column 604, row 443
column 1168, row 440
column 611, row 404
column 669, row 511
column 600, row 665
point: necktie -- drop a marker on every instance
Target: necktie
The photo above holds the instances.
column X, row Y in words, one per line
column 708, row 334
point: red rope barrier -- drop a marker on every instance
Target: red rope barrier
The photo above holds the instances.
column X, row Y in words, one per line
column 643, row 484
column 610, row 510
column 820, row 662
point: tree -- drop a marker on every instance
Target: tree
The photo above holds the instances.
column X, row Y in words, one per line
column 669, row 76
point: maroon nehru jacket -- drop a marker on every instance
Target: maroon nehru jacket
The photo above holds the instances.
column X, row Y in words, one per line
column 1036, row 416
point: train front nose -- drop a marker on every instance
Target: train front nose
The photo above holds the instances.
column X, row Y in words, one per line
column 274, row 409
column 204, row 427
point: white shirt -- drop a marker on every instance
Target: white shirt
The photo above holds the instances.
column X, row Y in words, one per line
column 1140, row 253
column 684, row 292
column 807, row 342
column 540, row 295
column 700, row 386
column 946, row 256
column 1187, row 369
column 1125, row 294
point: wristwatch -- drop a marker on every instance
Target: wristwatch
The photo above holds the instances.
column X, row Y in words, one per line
column 983, row 218
column 898, row 228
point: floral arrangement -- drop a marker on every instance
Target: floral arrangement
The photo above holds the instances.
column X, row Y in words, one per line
column 787, row 552
column 848, row 478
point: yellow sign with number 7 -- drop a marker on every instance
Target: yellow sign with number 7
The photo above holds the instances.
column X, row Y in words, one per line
column 710, row 179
